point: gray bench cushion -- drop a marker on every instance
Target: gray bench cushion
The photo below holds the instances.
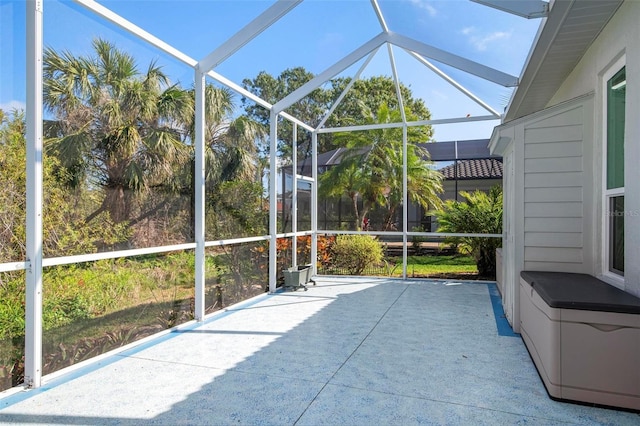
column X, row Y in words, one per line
column 580, row 291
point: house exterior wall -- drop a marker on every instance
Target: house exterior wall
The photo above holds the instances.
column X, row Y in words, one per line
column 554, row 214
column 512, row 224
column 557, row 190
column 548, row 224
column 621, row 37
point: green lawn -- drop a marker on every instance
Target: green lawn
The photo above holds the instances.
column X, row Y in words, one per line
column 435, row 266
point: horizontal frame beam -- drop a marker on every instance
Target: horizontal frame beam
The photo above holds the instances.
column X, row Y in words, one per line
column 329, row 73
column 453, row 60
column 417, row 234
column 132, row 28
column 409, row 124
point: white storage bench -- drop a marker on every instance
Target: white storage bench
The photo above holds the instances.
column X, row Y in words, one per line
column 583, row 336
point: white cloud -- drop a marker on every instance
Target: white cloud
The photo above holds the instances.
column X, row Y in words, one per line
column 425, row 5
column 482, row 41
column 12, row 105
column 439, row 94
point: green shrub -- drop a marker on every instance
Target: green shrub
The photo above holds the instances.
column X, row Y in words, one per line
column 355, row 252
column 481, row 213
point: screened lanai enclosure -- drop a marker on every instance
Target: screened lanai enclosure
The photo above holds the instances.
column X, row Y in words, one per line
column 159, row 140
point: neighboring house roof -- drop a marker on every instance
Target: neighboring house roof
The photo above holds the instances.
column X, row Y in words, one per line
column 567, row 33
column 438, row 151
column 482, row 168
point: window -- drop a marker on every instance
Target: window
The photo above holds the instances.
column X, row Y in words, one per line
column 614, row 172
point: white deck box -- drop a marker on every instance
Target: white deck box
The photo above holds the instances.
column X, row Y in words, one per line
column 583, row 336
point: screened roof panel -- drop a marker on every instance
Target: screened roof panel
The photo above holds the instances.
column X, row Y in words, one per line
column 459, row 150
column 441, row 98
column 195, row 27
column 477, row 32
column 315, row 34
column 442, row 151
column 72, row 28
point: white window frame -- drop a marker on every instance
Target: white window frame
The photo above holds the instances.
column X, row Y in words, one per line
column 607, row 194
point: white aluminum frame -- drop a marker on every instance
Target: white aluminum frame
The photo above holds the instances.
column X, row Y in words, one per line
column 314, row 203
column 248, row 33
column 199, row 184
column 529, row 9
column 294, row 195
column 34, row 117
column 273, row 200
column 453, row 60
column 330, row 72
column 409, row 233
column 35, row 262
column 409, row 124
column 454, row 83
column 405, row 204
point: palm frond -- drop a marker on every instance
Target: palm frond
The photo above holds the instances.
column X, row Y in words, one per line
column 71, row 149
column 135, row 176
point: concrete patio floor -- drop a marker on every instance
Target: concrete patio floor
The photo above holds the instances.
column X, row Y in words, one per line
column 347, row 352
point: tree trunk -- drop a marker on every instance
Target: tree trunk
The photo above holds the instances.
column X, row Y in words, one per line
column 356, row 213
column 117, row 204
column 389, row 219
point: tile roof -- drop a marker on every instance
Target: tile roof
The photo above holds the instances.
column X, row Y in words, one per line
column 485, row 168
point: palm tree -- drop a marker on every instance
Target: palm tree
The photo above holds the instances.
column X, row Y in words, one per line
column 125, row 131
column 231, row 148
column 345, row 178
column 115, row 127
column 371, row 169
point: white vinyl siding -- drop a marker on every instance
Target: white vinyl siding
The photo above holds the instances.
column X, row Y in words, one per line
column 553, row 180
column 553, row 239
column 548, row 195
column 554, row 183
column 553, row 255
column 551, row 149
column 616, row 46
column 543, row 224
column 553, row 210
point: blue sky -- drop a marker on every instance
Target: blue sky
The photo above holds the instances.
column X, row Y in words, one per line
column 315, row 35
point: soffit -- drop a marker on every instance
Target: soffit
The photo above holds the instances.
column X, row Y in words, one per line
column 571, row 27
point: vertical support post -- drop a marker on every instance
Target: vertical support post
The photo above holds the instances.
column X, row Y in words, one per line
column 198, row 182
column 33, row 277
column 273, row 200
column 314, row 203
column 455, row 167
column 294, row 197
column 283, row 216
column 455, row 176
column 405, row 202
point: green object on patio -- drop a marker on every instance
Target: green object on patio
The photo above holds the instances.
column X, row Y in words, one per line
column 297, row 277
